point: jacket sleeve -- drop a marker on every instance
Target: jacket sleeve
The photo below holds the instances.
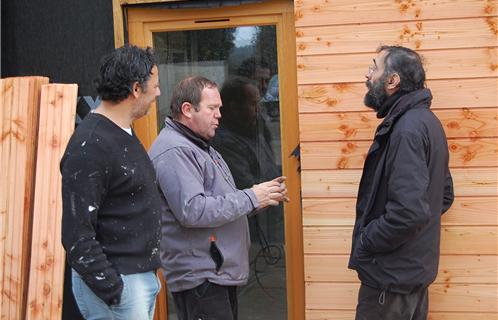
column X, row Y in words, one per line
column 407, row 207
column 181, row 179
column 84, row 179
column 448, row 192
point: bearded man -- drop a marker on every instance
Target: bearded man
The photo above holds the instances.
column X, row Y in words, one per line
column 405, row 187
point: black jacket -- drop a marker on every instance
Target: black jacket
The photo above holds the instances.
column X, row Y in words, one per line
column 405, row 188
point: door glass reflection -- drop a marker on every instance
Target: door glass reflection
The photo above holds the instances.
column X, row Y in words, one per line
column 243, row 62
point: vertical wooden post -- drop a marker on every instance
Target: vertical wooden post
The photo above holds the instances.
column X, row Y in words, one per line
column 57, row 118
column 19, row 101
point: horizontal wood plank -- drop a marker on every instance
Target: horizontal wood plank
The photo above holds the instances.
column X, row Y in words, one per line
column 440, row 64
column 466, row 269
column 462, row 298
column 418, row 35
column 325, row 12
column 349, row 315
column 454, row 240
column 351, row 154
column 443, row 298
column 457, row 123
column 341, row 212
column 344, row 183
column 342, row 97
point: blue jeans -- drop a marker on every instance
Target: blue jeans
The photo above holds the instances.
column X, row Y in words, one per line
column 137, row 300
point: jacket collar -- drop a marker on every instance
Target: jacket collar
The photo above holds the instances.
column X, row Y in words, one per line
column 187, row 132
column 416, row 99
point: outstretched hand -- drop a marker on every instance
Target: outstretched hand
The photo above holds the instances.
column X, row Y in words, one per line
column 271, row 193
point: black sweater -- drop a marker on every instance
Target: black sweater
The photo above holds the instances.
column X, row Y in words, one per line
column 111, row 206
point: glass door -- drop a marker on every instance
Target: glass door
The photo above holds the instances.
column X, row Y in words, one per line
column 243, row 61
column 243, row 54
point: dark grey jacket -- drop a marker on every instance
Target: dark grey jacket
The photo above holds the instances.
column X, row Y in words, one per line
column 405, row 188
column 201, row 201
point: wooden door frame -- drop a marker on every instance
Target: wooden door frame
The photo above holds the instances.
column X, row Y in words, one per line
column 142, row 22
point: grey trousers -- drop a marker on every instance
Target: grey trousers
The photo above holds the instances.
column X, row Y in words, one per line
column 375, row 304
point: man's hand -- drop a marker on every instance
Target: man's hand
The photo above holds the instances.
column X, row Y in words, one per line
column 270, row 193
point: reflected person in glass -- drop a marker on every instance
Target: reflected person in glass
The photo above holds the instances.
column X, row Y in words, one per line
column 205, row 238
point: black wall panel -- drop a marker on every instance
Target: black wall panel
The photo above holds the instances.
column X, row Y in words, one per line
column 63, row 40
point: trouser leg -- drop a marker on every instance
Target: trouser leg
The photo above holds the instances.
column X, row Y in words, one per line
column 207, row 301
column 137, row 299
column 376, row 304
column 422, row 309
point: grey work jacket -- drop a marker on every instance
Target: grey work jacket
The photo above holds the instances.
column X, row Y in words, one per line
column 201, row 201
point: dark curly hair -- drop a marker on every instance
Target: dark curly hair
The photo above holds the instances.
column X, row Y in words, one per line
column 407, row 64
column 121, row 69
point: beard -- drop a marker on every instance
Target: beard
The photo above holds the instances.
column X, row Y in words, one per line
column 376, row 95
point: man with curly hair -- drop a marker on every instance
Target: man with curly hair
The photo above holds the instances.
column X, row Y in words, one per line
column 111, row 203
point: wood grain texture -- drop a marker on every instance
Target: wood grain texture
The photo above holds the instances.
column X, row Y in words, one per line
column 335, row 43
column 19, row 105
column 417, row 35
column 326, row 12
column 457, row 123
column 344, row 183
column 443, row 297
column 349, row 315
column 342, row 97
column 57, row 117
column 454, row 240
column 351, row 154
column 341, row 212
column 461, row 269
column 439, row 64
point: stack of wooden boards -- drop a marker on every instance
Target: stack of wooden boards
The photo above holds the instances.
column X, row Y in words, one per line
column 36, row 121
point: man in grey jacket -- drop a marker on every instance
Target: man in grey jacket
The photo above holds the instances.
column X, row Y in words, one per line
column 205, row 236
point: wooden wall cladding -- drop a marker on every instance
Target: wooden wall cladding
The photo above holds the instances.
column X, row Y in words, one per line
column 454, row 240
column 19, row 100
column 419, row 35
column 57, row 118
column 344, row 183
column 348, row 315
column 347, row 97
column 470, row 211
column 452, row 269
column 335, row 44
column 342, row 296
column 326, row 12
column 439, row 64
column 464, row 152
column 457, row 123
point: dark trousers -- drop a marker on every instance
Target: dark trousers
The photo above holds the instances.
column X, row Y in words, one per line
column 374, row 304
column 207, row 301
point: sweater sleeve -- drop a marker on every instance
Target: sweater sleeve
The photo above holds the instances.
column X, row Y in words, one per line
column 407, row 207
column 85, row 173
column 181, row 180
